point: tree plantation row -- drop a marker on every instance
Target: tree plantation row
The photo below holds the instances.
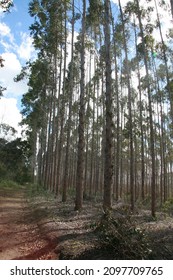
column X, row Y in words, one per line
column 99, row 108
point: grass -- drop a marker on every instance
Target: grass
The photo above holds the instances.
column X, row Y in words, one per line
column 35, row 191
column 8, row 184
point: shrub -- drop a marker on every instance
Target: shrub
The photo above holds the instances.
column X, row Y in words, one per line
column 8, row 184
column 168, row 206
column 120, row 237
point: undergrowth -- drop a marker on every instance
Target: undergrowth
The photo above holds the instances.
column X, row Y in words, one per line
column 35, row 191
column 8, row 184
column 167, row 207
column 120, row 238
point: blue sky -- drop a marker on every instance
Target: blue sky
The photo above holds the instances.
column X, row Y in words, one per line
column 18, row 19
column 15, row 48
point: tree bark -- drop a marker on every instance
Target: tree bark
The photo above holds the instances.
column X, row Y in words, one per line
column 81, row 140
column 108, row 167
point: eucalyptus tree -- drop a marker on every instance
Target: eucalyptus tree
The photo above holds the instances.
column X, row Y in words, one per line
column 70, row 87
column 130, row 118
column 93, row 28
column 49, row 32
column 136, row 63
column 81, row 127
column 38, row 10
column 145, row 55
column 117, row 45
column 62, row 95
column 35, row 105
column 108, row 167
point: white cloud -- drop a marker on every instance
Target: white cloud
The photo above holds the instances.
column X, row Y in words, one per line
column 9, row 113
column 11, row 61
column 7, row 38
column 4, row 29
column 12, row 67
column 26, row 50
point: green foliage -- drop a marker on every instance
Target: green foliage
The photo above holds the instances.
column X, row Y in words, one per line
column 1, row 90
column 168, row 206
column 94, row 18
column 6, row 130
column 14, row 160
column 5, row 5
column 36, row 190
column 71, row 192
column 23, row 74
column 3, row 170
column 145, row 203
column 8, row 184
column 121, row 238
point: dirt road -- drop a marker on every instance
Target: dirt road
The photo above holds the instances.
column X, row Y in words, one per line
column 20, row 235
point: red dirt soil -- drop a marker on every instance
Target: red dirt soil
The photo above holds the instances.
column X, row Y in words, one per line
column 21, row 238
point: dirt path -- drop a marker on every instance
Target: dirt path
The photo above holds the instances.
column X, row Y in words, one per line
column 20, row 235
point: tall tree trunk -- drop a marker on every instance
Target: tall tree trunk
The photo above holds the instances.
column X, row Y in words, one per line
column 66, row 166
column 117, row 145
column 81, row 140
column 152, row 148
column 108, row 167
column 141, row 121
column 129, row 111
column 62, row 107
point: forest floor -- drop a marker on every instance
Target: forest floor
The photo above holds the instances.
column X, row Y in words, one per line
column 34, row 225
